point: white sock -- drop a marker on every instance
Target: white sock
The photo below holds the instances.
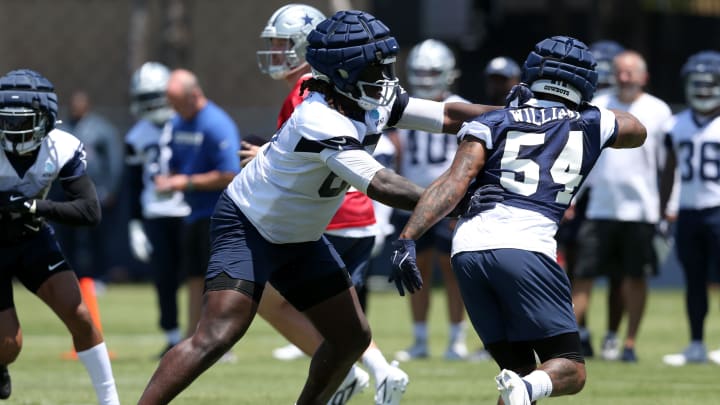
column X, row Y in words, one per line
column 173, row 336
column 376, row 363
column 540, row 383
column 97, row 364
column 457, row 333
column 420, row 332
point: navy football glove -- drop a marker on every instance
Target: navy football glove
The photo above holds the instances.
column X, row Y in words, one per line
column 519, row 94
column 482, row 199
column 404, row 270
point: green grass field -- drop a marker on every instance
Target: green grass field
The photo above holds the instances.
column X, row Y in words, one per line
column 129, row 314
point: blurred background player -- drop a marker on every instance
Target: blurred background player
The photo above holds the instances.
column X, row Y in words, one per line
column 155, row 227
column 35, row 155
column 567, row 236
column 692, row 134
column 616, row 239
column 204, row 143
column 501, row 74
column 351, row 231
column 424, row 157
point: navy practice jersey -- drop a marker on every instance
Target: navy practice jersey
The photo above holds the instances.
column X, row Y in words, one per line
column 539, row 153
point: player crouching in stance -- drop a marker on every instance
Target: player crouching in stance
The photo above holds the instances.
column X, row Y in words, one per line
column 35, row 155
column 538, row 149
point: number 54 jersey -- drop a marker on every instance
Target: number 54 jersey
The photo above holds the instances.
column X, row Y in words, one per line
column 288, row 192
column 539, row 153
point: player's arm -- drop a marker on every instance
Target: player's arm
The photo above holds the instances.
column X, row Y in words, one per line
column 444, row 194
column 631, row 133
column 668, row 176
column 80, row 208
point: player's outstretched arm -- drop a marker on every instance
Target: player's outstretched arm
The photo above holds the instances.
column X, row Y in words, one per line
column 438, row 117
column 80, row 208
column 631, row 133
column 456, row 113
column 394, row 190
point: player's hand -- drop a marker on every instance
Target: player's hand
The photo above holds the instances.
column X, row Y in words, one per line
column 140, row 245
column 247, row 153
column 18, row 204
column 404, row 270
column 519, row 94
column 481, row 200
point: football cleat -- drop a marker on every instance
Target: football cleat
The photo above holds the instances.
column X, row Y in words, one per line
column 695, row 353
column 456, row 351
column 390, row 389
column 288, row 352
column 714, row 356
column 356, row 381
column 5, row 384
column 610, row 349
column 416, row 351
column 480, row 355
column 628, row 355
column 512, row 388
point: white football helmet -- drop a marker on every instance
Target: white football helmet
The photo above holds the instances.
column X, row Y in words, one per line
column 147, row 93
column 431, row 69
column 293, row 23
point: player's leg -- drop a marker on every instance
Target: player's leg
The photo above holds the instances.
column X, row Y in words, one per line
column 10, row 332
column 287, row 320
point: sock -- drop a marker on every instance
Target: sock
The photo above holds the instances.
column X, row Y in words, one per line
column 539, row 383
column 420, row 332
column 457, row 333
column 173, row 336
column 611, row 335
column 97, row 364
column 374, row 360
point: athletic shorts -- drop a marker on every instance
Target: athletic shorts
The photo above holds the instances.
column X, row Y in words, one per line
column 304, row 273
column 355, row 253
column 439, row 236
column 514, row 295
column 616, row 249
column 32, row 262
column 195, row 244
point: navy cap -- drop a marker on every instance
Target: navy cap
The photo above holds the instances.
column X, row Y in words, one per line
column 502, row 66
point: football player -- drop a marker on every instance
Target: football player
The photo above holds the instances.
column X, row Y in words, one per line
column 693, row 142
column 538, row 151
column 36, row 154
column 351, row 230
column 155, row 227
column 269, row 222
column 424, row 157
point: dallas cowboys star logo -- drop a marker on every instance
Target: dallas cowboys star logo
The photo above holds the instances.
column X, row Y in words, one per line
column 308, row 20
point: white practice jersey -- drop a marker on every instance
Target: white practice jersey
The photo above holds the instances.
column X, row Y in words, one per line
column 425, row 156
column 61, row 156
column 698, row 159
column 148, row 146
column 288, row 191
column 624, row 182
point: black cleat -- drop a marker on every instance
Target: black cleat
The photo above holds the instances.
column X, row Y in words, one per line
column 5, row 385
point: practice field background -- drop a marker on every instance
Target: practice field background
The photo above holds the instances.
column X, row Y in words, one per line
column 40, row 377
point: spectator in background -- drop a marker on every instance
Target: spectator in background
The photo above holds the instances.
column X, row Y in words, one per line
column 616, row 239
column 604, row 52
column 693, row 142
column 423, row 157
column 501, row 74
column 204, row 143
column 155, row 226
column 34, row 156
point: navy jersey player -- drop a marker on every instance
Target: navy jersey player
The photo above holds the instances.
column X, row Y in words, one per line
column 269, row 223
column 35, row 155
column 155, row 227
column 693, row 142
column 539, row 151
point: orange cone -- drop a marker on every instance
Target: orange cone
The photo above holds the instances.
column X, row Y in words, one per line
column 87, row 290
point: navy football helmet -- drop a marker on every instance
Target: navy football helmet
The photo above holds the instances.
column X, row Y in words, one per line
column 28, row 110
column 604, row 52
column 355, row 52
column 701, row 74
column 290, row 23
column 431, row 69
column 561, row 66
column 147, row 93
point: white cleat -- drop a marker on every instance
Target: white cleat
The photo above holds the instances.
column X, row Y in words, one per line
column 714, row 356
column 391, row 389
column 356, row 381
column 512, row 388
column 693, row 354
column 610, row 349
column 288, row 352
column 480, row 355
column 456, row 351
column 416, row 351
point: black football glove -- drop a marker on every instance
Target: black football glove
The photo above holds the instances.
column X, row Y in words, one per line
column 17, row 204
column 404, row 270
column 482, row 199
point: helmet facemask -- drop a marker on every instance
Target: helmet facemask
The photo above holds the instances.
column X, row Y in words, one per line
column 279, row 58
column 375, row 86
column 22, row 129
column 703, row 92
